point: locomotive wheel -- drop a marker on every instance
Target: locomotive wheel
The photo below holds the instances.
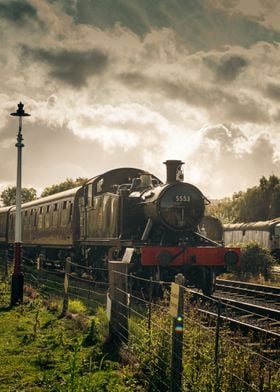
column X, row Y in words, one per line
column 208, row 281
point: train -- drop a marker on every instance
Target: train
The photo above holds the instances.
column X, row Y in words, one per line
column 264, row 233
column 125, row 214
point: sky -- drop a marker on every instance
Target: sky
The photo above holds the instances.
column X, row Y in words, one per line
column 132, row 83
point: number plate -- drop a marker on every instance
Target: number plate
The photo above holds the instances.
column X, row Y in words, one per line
column 182, row 198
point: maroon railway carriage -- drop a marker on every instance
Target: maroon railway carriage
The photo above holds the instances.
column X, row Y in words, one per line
column 125, row 208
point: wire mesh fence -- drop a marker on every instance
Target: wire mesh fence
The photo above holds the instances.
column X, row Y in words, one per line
column 214, row 358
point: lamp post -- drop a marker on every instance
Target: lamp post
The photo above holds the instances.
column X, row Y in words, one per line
column 17, row 277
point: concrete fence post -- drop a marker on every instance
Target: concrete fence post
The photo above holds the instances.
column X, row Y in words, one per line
column 118, row 293
column 177, row 311
column 66, row 284
column 217, row 339
column 39, row 266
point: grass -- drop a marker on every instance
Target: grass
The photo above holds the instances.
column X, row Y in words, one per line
column 39, row 351
column 237, row 368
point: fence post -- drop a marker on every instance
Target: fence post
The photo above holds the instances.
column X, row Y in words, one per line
column 129, row 299
column 3, row 275
column 66, row 284
column 177, row 311
column 39, row 265
column 150, row 303
column 40, row 261
column 6, row 256
column 118, row 285
column 217, row 337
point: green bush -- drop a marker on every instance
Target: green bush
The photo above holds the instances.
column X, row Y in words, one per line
column 255, row 261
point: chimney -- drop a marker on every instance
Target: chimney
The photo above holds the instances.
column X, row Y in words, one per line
column 174, row 171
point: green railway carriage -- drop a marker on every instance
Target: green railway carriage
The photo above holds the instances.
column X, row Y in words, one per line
column 265, row 233
column 4, row 220
column 76, row 217
column 47, row 221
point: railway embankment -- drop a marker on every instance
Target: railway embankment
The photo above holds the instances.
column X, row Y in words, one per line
column 40, row 350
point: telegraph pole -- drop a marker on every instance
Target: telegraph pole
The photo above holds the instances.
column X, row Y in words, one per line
column 17, row 277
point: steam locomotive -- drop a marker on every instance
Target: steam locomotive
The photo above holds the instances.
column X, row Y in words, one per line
column 125, row 214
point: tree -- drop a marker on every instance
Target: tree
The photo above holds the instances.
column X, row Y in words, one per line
column 9, row 195
column 222, row 209
column 69, row 183
column 258, row 203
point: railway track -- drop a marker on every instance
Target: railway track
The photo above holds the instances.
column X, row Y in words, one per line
column 264, row 296
column 256, row 331
column 252, row 309
column 259, row 319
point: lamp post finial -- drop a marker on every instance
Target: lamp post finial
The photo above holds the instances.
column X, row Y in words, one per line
column 20, row 111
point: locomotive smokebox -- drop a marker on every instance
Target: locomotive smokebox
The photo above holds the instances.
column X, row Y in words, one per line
column 174, row 171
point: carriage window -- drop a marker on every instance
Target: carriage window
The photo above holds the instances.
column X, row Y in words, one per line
column 40, row 218
column 55, row 215
column 89, row 195
column 99, row 185
column 90, row 191
column 11, row 221
column 70, row 211
column 24, row 218
column 64, row 213
column 32, row 217
column 2, row 224
column 47, row 217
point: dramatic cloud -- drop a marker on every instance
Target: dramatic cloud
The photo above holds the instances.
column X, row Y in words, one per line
column 228, row 67
column 133, row 83
column 193, row 21
column 264, row 12
column 273, row 91
column 71, row 67
column 242, row 159
column 17, row 11
column 226, row 105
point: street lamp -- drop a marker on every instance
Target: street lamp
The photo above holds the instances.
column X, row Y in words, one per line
column 17, row 277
